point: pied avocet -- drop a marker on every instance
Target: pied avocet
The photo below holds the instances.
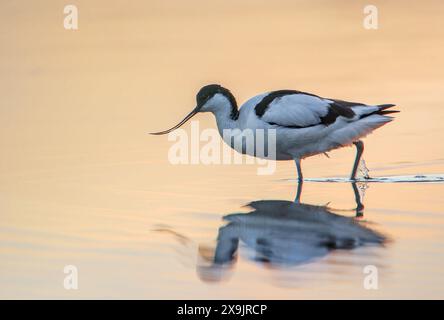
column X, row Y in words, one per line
column 305, row 124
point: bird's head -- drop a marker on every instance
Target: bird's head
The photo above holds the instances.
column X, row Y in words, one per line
column 210, row 98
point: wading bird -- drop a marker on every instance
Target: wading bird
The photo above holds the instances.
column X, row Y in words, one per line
column 305, row 124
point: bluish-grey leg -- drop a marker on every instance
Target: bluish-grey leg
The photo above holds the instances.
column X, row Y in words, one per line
column 359, row 205
column 300, row 180
column 298, row 166
column 359, row 150
column 299, row 192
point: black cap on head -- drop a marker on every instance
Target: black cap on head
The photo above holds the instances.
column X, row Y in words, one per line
column 208, row 91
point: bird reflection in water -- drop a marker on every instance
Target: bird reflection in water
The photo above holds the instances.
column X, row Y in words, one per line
column 284, row 233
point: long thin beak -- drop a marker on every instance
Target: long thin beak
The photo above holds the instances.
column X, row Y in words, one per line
column 188, row 117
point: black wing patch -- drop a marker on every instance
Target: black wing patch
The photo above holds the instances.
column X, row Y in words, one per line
column 262, row 106
column 343, row 103
column 339, row 108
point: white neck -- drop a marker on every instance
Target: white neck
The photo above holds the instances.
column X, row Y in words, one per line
column 220, row 106
column 224, row 120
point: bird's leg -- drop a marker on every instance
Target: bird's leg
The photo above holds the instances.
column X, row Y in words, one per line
column 298, row 166
column 299, row 192
column 359, row 150
column 359, row 205
column 300, row 180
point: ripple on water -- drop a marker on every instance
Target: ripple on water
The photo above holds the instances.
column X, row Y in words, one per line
column 390, row 179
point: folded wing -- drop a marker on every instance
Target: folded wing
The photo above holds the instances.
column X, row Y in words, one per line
column 295, row 109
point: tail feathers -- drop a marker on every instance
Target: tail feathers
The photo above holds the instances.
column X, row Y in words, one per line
column 367, row 110
column 385, row 106
column 382, row 109
column 383, row 113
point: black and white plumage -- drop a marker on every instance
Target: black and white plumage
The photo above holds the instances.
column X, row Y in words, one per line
column 305, row 124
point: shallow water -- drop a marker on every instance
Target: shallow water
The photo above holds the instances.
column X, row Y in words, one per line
column 391, row 179
column 83, row 184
